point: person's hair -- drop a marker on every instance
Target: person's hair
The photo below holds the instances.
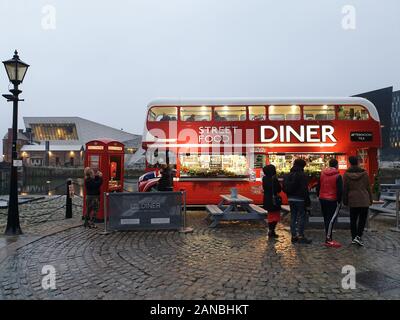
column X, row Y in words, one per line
column 269, row 170
column 333, row 163
column 299, row 163
column 88, row 172
column 353, row 160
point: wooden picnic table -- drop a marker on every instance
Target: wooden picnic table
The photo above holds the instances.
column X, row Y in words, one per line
column 235, row 209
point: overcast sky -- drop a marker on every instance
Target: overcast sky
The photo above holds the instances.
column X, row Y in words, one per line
column 105, row 60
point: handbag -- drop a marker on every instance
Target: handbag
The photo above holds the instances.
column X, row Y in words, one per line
column 276, row 199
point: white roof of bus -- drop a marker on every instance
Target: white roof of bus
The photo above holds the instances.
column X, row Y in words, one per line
column 265, row 101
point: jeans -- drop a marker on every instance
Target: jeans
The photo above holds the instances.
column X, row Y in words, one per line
column 298, row 218
column 358, row 218
column 92, row 207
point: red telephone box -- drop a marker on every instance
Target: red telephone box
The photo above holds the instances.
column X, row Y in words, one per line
column 107, row 156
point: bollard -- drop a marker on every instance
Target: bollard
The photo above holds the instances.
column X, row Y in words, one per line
column 68, row 205
column 105, row 232
column 185, row 229
column 397, row 228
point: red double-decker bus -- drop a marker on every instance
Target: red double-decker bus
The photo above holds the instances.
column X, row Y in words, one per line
column 217, row 144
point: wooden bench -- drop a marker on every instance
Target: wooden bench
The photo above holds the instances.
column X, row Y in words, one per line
column 390, row 198
column 214, row 210
column 390, row 212
column 258, row 209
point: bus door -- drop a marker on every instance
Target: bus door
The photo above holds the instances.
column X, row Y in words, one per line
column 364, row 159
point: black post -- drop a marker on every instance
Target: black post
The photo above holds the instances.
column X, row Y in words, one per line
column 68, row 206
column 47, row 155
column 13, row 226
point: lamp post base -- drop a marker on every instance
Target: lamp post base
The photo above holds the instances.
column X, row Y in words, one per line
column 13, row 232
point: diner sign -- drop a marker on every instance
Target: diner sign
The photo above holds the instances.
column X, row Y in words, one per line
column 305, row 133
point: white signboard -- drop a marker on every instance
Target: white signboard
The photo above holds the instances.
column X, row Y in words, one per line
column 130, row 221
column 160, row 220
column 17, row 163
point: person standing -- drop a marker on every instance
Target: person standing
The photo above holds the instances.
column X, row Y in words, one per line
column 272, row 201
column 357, row 195
column 166, row 181
column 93, row 182
column 330, row 191
column 296, row 187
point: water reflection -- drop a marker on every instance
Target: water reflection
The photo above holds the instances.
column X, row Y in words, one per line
column 46, row 186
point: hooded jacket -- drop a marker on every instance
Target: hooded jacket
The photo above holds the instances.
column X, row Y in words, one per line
column 330, row 185
column 300, row 191
column 93, row 186
column 271, row 187
column 357, row 190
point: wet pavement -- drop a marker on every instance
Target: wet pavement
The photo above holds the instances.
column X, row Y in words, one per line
column 233, row 261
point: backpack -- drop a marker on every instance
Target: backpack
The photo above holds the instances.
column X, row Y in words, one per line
column 289, row 183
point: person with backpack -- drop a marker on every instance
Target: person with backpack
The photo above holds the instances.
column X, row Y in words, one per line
column 330, row 190
column 166, row 181
column 296, row 187
column 357, row 195
column 272, row 200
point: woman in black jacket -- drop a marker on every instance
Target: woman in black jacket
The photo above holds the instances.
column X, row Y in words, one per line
column 272, row 188
column 166, row 181
column 93, row 184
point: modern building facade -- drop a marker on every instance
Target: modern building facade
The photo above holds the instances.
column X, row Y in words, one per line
column 60, row 141
column 388, row 105
column 395, row 127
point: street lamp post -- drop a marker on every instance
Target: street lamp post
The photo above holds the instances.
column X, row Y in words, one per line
column 16, row 70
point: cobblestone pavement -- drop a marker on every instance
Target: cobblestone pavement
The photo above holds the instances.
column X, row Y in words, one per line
column 233, row 261
column 36, row 215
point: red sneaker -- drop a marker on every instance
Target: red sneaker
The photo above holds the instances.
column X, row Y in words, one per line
column 336, row 244
column 332, row 244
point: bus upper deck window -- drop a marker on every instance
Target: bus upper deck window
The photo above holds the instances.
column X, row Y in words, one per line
column 257, row 113
column 163, row 114
column 353, row 113
column 319, row 112
column 284, row 112
column 202, row 113
column 230, row 113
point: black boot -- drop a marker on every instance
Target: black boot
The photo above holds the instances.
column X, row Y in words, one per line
column 86, row 222
column 271, row 232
